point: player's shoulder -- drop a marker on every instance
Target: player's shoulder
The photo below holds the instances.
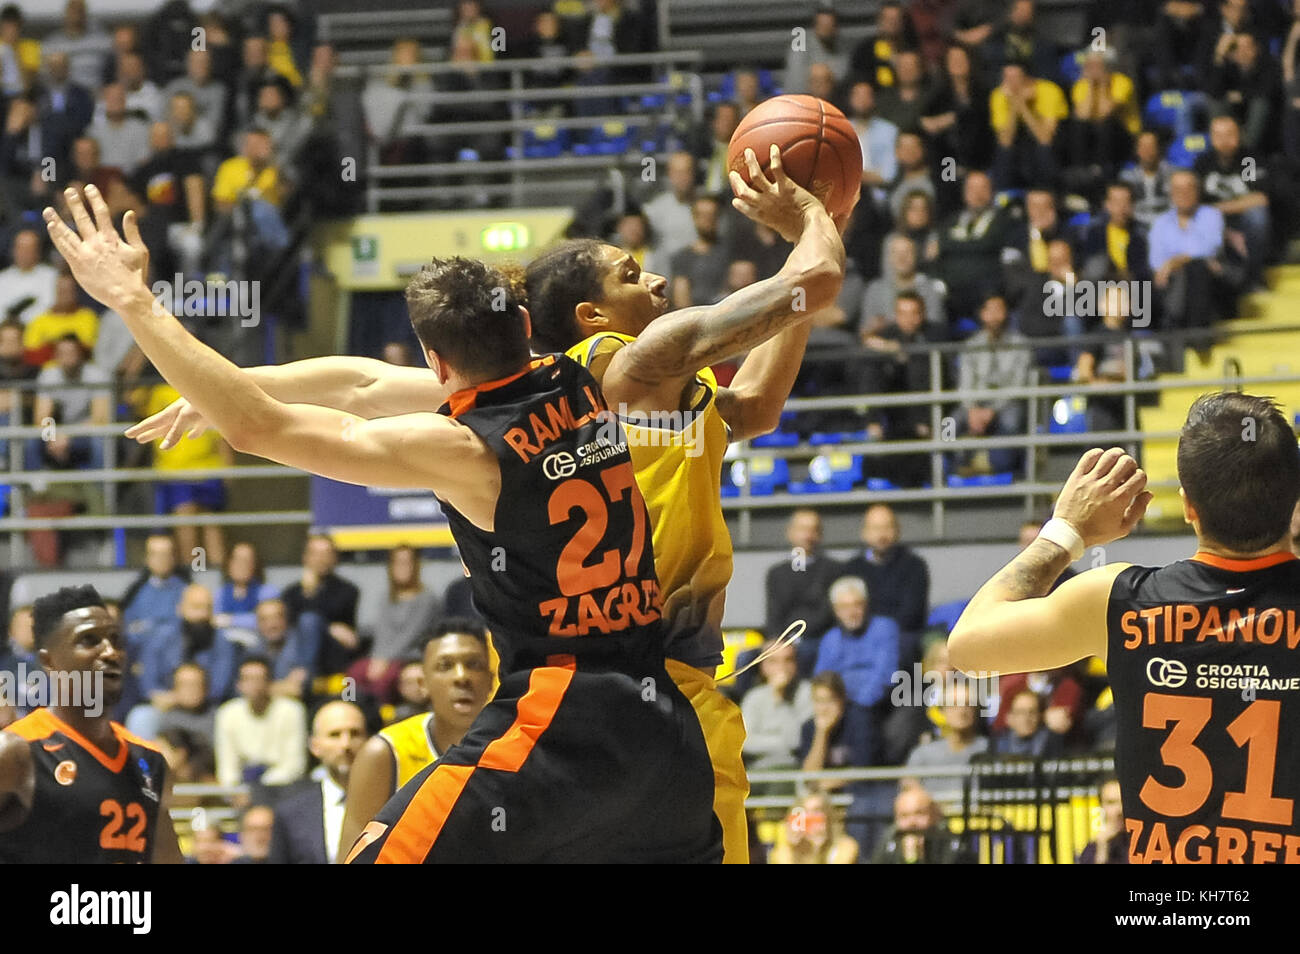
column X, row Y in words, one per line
column 34, row 726
column 600, row 345
column 403, row 729
column 130, row 738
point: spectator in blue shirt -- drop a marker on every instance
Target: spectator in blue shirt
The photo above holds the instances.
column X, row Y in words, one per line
column 191, row 637
column 18, row 659
column 863, row 648
column 243, row 589
column 291, row 650
column 877, row 136
column 1184, row 250
column 152, row 599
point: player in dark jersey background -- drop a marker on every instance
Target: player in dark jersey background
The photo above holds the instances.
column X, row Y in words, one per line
column 1203, row 654
column 76, row 787
column 587, row 751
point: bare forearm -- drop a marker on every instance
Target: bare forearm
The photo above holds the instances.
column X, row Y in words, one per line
column 343, row 383
column 221, row 392
column 680, row 344
column 757, row 394
column 1031, row 574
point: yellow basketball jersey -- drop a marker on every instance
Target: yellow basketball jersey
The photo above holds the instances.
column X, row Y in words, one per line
column 678, row 461
column 411, row 742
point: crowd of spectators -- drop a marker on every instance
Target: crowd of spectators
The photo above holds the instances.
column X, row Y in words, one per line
column 208, row 127
column 247, row 684
column 1002, row 170
column 844, row 695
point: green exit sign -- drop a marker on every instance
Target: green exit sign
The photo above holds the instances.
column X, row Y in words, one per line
column 505, row 237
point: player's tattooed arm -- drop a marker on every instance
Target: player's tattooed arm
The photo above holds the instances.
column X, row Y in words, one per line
column 17, row 780
column 1031, row 573
column 655, row 369
column 1010, row 625
column 752, row 404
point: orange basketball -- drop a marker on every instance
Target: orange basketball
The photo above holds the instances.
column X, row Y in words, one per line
column 819, row 147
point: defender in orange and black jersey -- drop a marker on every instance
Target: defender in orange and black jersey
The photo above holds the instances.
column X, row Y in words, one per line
column 588, row 751
column 1204, row 661
column 88, row 808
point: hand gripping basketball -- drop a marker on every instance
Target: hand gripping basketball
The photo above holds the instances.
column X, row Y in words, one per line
column 777, row 202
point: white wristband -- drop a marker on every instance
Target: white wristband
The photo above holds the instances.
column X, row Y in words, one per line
column 1063, row 535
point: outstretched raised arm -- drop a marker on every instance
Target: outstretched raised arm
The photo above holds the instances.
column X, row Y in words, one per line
column 652, row 372
column 362, row 386
column 423, row 450
column 1012, row 624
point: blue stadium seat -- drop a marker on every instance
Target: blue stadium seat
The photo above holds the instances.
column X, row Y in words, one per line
column 982, row 480
column 1163, row 109
column 4, row 498
column 764, row 474
column 467, row 155
column 835, row 472
column 1182, row 152
column 946, row 614
column 1071, row 68
column 1059, row 373
column 831, row 438
column 965, row 327
column 1174, row 111
column 545, row 141
column 776, row 439
column 1007, row 196
column 1080, row 220
column 1069, row 415
column 881, row 483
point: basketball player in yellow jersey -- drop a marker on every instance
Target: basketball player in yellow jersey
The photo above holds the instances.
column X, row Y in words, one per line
column 458, row 677
column 653, row 368
column 593, row 301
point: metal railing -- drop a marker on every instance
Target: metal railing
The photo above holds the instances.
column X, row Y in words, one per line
column 940, row 400
column 676, row 92
column 1010, row 810
column 23, row 483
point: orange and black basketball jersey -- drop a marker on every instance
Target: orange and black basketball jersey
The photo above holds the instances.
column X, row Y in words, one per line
column 1204, row 662
column 569, row 567
column 88, row 808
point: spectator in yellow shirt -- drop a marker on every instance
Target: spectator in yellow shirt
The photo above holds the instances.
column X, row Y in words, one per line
column 207, row 451
column 253, row 169
column 1106, row 118
column 279, row 52
column 65, row 317
column 1025, row 113
column 20, row 57
column 471, row 22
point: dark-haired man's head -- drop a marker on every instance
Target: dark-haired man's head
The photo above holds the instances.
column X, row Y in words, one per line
column 319, row 555
column 1240, row 472
column 468, row 318
column 69, row 354
column 1119, row 203
column 909, row 312
column 256, row 148
column 993, row 314
column 583, row 287
column 457, row 673
column 272, row 620
column 190, row 687
column 74, row 633
column 254, row 683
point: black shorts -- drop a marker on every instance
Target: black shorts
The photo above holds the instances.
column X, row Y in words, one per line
column 567, row 763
